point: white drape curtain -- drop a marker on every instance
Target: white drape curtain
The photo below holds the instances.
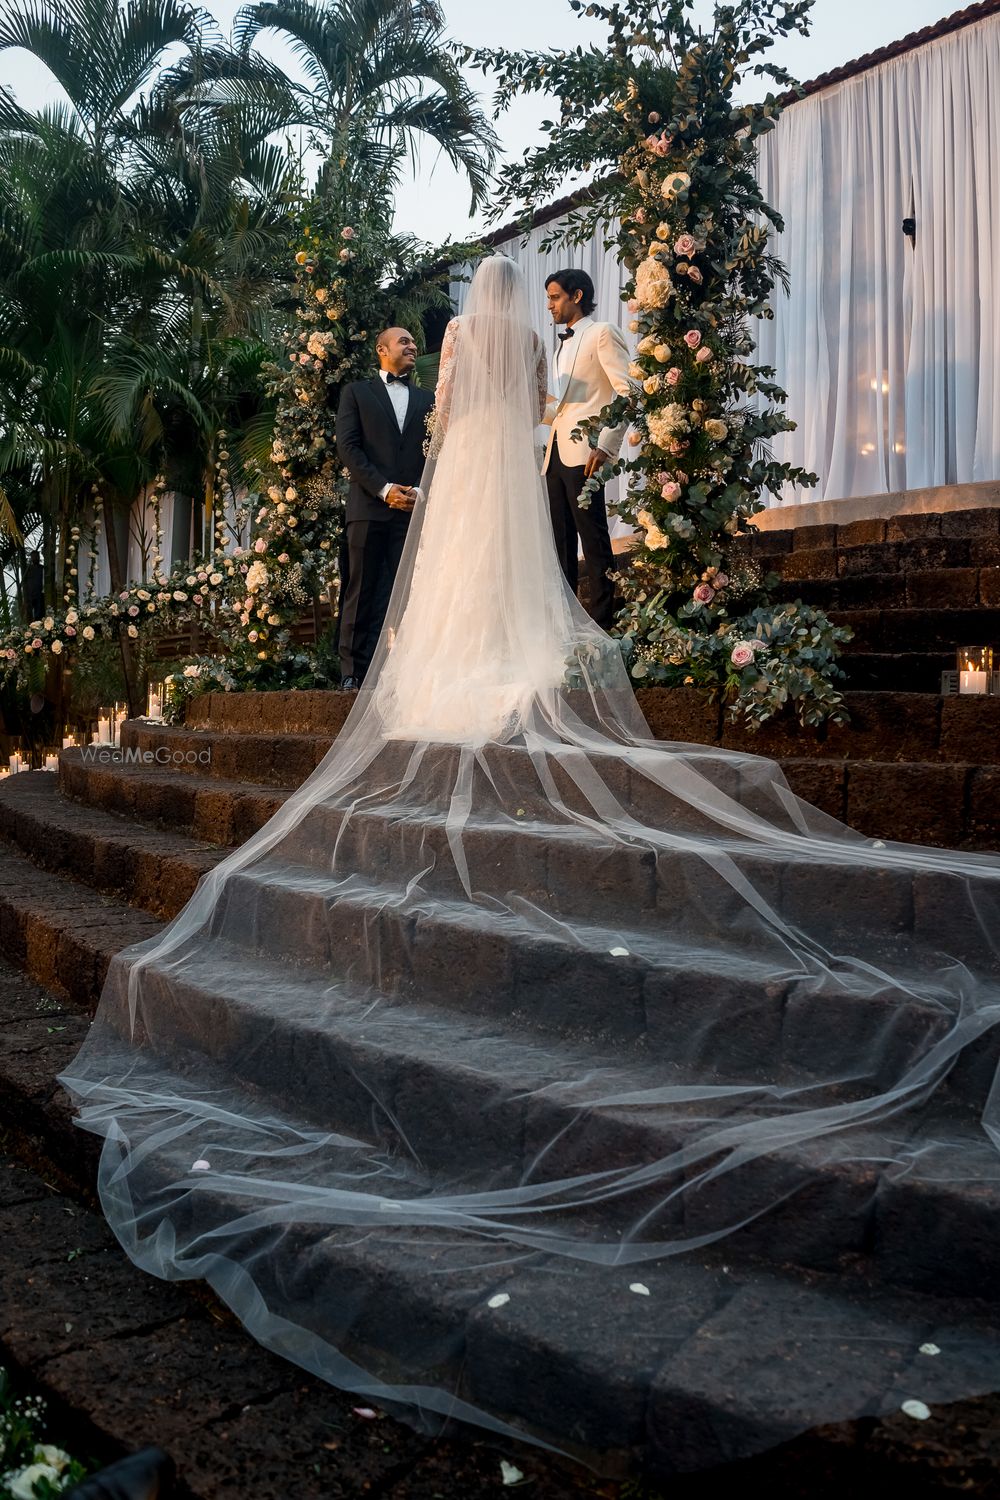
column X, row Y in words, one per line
column 887, row 349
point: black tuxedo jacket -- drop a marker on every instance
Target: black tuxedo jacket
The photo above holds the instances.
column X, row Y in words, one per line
column 372, row 448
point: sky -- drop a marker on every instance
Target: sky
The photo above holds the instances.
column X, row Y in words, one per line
column 433, row 201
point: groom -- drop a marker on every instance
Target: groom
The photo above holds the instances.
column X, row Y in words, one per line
column 381, row 427
column 591, row 367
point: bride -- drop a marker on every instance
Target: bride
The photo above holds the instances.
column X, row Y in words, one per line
column 488, row 630
column 517, row 1045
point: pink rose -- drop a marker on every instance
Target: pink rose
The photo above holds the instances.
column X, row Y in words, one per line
column 671, row 491
column 283, row 557
column 704, row 355
column 663, row 477
column 70, row 630
column 692, row 338
column 36, row 644
column 673, row 376
column 741, row 654
column 347, row 233
column 133, row 609
column 695, row 275
column 654, row 118
column 662, row 146
column 640, row 218
column 632, row 305
column 721, row 580
column 704, row 594
column 260, row 545
column 684, row 244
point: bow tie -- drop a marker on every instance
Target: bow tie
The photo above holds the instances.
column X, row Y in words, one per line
column 392, row 379
column 567, row 335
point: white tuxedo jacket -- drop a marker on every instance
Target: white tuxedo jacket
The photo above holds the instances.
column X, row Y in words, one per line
column 595, row 370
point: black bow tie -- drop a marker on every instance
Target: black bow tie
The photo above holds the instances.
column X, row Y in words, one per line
column 392, row 379
column 567, row 335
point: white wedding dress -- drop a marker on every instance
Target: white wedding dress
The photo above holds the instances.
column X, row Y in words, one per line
column 511, row 996
column 490, row 626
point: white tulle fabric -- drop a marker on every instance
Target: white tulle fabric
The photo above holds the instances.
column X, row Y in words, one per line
column 510, row 997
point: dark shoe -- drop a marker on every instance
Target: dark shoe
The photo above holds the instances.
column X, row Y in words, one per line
column 147, row 1475
column 350, row 685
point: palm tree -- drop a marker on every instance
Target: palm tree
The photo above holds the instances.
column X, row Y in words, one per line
column 381, row 78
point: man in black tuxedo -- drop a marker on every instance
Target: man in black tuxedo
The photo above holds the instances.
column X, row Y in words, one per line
column 381, row 429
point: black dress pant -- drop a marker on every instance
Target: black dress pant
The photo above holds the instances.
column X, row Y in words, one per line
column 590, row 524
column 374, row 549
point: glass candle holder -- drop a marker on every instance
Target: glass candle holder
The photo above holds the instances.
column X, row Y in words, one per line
column 975, row 665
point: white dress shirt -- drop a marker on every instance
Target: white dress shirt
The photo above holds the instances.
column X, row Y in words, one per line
column 566, row 350
column 399, row 394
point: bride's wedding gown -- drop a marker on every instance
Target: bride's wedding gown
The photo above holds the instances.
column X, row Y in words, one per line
column 511, row 999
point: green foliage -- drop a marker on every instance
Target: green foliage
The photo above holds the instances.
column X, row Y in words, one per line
column 30, row 1467
column 655, row 116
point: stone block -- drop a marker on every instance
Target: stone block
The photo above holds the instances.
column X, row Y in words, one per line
column 970, row 729
column 560, row 990
column 861, row 533
column 802, row 565
column 984, row 552
column 934, row 552
column 780, row 1358
column 989, row 587
column 984, row 806
column 813, row 538
column 943, row 588
column 981, row 522
column 821, row 783
column 872, row 591
column 912, row 528
column 770, row 543
column 938, row 1233
column 888, row 726
column 883, row 557
column 727, row 1025
column 682, row 715
column 910, row 802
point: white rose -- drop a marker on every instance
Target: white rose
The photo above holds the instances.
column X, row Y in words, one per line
column 57, row 648
column 47, row 1453
column 88, row 632
column 22, row 1485
column 133, row 631
column 72, row 617
column 192, row 671
column 215, row 578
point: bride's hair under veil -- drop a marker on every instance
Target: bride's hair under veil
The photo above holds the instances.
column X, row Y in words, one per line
column 513, row 1015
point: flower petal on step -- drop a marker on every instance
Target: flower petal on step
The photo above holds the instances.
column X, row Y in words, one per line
column 929, row 1349
column 618, row 952
column 499, row 1300
column 639, row 1289
column 916, row 1409
column 509, row 1474
column 201, row 1165
column 364, row 1411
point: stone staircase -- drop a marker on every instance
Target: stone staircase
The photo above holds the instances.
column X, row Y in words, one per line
column 668, row 1382
column 837, row 1292
column 912, row 588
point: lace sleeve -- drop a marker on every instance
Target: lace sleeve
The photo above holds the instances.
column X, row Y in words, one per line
column 445, row 386
column 542, row 377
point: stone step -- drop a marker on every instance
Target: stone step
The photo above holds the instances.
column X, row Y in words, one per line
column 908, row 542
column 151, row 869
column 922, row 798
column 456, row 1095
column 464, row 955
column 204, row 807
column 76, row 1315
column 970, row 592
column 578, row 1357
column 267, row 760
column 61, row 932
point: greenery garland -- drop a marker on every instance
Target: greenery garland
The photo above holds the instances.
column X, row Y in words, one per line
column 659, row 108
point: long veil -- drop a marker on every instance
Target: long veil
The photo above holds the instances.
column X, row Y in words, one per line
column 522, row 1057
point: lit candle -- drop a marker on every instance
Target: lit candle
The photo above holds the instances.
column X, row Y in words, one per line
column 103, row 732
column 68, row 742
column 973, row 682
column 52, row 763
